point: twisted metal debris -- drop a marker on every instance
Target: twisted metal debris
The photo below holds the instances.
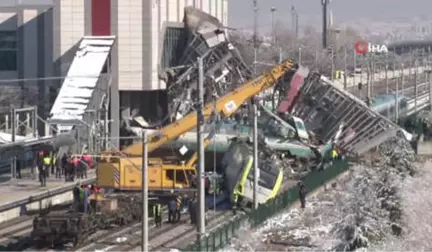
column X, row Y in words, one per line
column 362, row 211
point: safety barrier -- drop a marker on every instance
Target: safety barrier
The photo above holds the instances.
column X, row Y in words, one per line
column 222, row 235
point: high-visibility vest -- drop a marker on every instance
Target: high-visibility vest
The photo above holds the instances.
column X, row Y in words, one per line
column 47, row 160
column 81, row 193
column 179, row 202
column 334, row 154
column 156, row 209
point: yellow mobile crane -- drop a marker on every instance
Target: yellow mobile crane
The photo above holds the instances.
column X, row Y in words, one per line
column 124, row 172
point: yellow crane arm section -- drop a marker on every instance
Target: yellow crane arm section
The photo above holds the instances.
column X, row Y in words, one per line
column 226, row 105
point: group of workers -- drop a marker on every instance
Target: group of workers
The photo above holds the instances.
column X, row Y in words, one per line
column 174, row 212
column 81, row 194
column 76, row 166
column 70, row 166
column 175, row 207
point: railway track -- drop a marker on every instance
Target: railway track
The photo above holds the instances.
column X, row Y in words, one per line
column 14, row 230
column 16, row 235
column 93, row 239
column 381, row 86
column 129, row 239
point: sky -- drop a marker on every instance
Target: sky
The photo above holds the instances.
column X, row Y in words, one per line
column 241, row 11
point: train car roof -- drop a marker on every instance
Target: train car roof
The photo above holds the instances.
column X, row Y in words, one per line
column 384, row 98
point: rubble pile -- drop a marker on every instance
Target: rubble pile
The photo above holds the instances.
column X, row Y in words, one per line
column 363, row 210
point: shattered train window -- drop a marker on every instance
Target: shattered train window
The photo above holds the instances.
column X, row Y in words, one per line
column 276, row 129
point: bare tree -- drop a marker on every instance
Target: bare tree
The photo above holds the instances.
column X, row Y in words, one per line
column 416, row 218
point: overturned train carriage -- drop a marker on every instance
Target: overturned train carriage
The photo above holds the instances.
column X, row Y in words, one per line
column 237, row 165
column 223, row 66
column 61, row 227
column 335, row 115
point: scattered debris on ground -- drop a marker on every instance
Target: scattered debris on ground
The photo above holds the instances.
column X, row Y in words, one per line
column 364, row 209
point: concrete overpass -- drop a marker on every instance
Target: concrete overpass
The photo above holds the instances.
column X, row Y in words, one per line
column 405, row 46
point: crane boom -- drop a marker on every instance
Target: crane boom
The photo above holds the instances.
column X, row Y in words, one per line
column 226, row 105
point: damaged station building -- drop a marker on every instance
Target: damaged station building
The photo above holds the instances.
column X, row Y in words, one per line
column 145, row 45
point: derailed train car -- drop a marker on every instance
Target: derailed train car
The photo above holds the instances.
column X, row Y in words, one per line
column 238, row 173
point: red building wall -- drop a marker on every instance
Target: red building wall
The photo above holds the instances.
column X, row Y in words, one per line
column 101, row 17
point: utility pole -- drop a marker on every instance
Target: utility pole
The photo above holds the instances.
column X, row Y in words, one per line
column 345, row 67
column 386, row 78
column 335, row 54
column 273, row 10
column 428, row 74
column 296, row 25
column 324, row 3
column 386, row 74
column 255, row 152
column 98, row 139
column 410, row 64
column 355, row 69
column 332, row 55
column 403, row 79
column 255, row 36
column 300, row 55
column 144, row 191
column 201, row 186
column 294, row 21
column 370, row 70
column 415, row 90
column 14, row 127
column 397, row 97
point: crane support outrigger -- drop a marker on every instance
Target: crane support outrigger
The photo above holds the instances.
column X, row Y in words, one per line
column 124, row 172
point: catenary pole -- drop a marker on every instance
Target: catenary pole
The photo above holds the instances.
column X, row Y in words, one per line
column 255, row 153
column 255, row 35
column 201, row 169
column 144, row 192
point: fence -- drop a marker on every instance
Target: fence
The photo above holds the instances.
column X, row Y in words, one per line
column 222, row 235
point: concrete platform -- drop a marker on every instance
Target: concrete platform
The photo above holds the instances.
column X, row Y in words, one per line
column 19, row 189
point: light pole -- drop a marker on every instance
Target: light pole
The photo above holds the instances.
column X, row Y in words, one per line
column 255, row 36
column 397, row 97
column 293, row 19
column 144, row 192
column 429, row 81
column 324, row 4
column 345, row 66
column 201, row 169
column 273, row 10
column 255, row 153
column 335, row 50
